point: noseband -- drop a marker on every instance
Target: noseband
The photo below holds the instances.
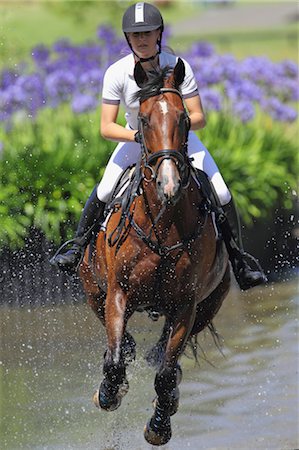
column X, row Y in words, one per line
column 150, row 159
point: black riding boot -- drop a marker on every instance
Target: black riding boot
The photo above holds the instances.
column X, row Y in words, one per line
column 231, row 230
column 91, row 216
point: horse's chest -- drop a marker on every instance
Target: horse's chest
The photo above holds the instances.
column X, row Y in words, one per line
column 151, row 277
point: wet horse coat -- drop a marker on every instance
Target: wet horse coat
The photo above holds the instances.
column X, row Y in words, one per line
column 159, row 252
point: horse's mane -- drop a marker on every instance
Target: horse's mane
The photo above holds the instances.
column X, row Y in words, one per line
column 155, row 82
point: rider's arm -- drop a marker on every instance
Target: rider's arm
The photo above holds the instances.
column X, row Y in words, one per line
column 195, row 111
column 111, row 130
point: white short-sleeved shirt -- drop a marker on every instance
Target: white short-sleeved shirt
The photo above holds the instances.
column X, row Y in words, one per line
column 119, row 85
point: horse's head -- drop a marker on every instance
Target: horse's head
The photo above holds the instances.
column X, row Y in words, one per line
column 163, row 129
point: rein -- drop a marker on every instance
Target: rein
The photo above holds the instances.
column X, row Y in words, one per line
column 149, row 159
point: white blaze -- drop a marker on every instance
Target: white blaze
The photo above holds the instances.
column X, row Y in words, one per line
column 164, row 107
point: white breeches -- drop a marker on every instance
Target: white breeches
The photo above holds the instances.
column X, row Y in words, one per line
column 127, row 153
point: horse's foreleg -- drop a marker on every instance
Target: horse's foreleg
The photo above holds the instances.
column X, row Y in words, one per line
column 114, row 385
column 155, row 355
column 158, row 429
column 97, row 304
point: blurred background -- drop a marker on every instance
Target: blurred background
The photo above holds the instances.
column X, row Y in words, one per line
column 53, row 55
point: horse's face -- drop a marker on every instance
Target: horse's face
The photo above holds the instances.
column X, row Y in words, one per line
column 164, row 130
column 162, row 121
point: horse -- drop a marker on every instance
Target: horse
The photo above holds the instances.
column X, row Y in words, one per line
column 159, row 252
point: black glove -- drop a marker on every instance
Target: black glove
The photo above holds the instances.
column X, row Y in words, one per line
column 138, row 137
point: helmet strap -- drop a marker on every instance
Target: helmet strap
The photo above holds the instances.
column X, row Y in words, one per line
column 151, row 58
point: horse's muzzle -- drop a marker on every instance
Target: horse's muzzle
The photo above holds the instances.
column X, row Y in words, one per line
column 169, row 184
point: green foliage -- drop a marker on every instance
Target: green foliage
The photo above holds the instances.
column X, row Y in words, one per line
column 258, row 162
column 49, row 167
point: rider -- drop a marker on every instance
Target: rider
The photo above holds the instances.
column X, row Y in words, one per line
column 143, row 27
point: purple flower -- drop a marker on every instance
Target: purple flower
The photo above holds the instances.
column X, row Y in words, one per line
column 74, row 73
column 83, row 103
column 12, row 100
column 287, row 90
column 289, row 69
column 258, row 69
column 243, row 89
column 244, row 110
column 230, row 68
column 106, row 34
column 32, row 87
column 211, row 99
column 91, row 81
column 202, row 49
column 209, row 72
column 60, row 86
column 62, row 46
column 8, row 78
column 40, row 55
column 279, row 111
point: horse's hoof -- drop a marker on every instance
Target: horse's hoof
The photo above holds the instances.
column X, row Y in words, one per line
column 95, row 398
column 179, row 374
column 101, row 401
column 156, row 437
column 123, row 389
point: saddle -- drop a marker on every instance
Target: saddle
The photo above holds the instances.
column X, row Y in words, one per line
column 128, row 187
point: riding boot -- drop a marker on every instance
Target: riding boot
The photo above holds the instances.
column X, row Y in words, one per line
column 231, row 230
column 90, row 219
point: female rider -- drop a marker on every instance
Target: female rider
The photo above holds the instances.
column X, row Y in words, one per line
column 143, row 27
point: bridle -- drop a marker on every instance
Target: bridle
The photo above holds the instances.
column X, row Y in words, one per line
column 180, row 157
column 148, row 161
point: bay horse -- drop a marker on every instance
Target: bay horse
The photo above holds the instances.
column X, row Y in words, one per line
column 159, row 251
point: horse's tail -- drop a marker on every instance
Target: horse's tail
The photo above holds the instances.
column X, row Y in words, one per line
column 197, row 352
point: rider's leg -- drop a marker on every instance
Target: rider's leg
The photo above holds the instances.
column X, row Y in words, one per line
column 231, row 230
column 92, row 214
column 230, row 226
column 124, row 155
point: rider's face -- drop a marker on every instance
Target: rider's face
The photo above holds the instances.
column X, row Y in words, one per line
column 144, row 43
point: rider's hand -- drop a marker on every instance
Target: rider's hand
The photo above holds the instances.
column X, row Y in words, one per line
column 138, row 137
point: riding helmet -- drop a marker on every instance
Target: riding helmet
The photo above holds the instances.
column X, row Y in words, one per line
column 142, row 17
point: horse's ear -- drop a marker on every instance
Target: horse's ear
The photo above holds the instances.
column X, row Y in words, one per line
column 140, row 75
column 179, row 72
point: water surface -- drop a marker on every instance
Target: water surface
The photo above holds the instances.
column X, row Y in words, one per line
column 51, row 362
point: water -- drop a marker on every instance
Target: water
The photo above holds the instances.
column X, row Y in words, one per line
column 51, row 362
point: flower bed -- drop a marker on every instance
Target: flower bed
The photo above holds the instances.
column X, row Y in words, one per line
column 73, row 73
